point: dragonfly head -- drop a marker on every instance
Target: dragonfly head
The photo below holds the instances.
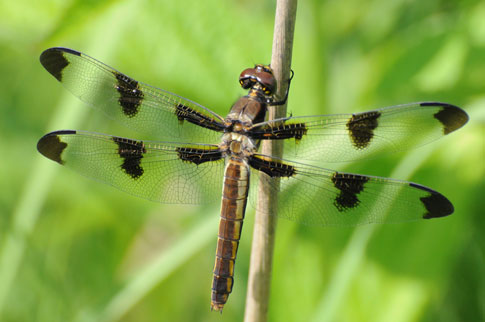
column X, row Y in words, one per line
column 260, row 77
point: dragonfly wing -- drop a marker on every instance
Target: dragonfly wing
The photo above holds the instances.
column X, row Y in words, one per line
column 317, row 196
column 347, row 137
column 158, row 171
column 144, row 108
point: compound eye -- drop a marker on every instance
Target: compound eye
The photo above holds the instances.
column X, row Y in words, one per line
column 259, row 74
column 268, row 82
column 246, row 78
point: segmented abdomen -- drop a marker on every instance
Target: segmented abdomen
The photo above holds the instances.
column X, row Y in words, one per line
column 233, row 206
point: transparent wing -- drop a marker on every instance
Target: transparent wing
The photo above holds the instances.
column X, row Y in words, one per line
column 158, row 171
column 139, row 106
column 346, row 137
column 317, row 196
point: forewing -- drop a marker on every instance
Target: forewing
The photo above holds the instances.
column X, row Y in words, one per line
column 146, row 109
column 158, row 171
column 347, row 137
column 317, row 196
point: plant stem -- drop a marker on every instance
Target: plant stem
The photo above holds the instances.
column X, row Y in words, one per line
column 257, row 298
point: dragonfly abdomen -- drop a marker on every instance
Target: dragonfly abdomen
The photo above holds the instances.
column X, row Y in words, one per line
column 233, row 206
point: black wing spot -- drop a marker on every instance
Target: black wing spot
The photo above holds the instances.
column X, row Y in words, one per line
column 361, row 127
column 184, row 112
column 350, row 185
column 285, row 131
column 51, row 146
column 452, row 117
column 132, row 152
column 55, row 62
column 295, row 130
column 435, row 203
column 271, row 167
column 198, row 156
column 131, row 95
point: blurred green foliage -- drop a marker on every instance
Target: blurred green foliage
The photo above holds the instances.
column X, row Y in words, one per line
column 75, row 250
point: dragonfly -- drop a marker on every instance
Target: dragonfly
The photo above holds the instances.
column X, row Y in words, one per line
column 198, row 153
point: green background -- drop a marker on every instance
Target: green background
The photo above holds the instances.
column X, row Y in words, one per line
column 72, row 249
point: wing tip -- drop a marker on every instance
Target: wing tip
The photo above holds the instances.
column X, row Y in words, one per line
column 451, row 116
column 435, row 203
column 54, row 61
column 51, row 146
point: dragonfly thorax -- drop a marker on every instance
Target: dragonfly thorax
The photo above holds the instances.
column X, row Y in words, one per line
column 237, row 144
column 247, row 111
